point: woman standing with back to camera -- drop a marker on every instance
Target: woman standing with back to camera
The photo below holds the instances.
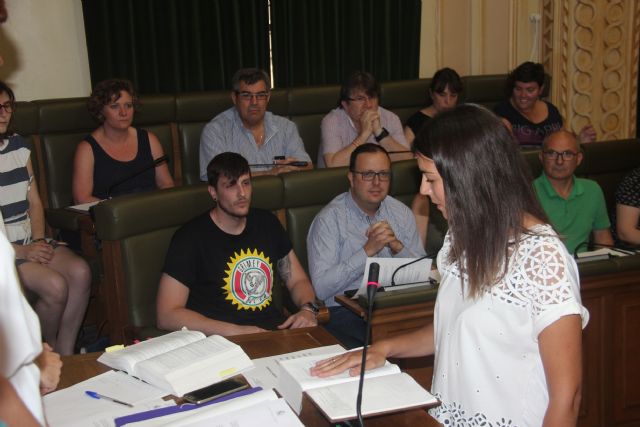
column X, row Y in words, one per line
column 508, row 317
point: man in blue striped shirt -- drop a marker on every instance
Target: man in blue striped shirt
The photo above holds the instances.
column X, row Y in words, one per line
column 363, row 222
column 250, row 130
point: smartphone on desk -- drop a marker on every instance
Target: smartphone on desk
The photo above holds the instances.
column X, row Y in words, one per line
column 216, row 390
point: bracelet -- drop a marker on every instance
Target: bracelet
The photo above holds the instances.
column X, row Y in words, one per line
column 310, row 307
column 41, row 239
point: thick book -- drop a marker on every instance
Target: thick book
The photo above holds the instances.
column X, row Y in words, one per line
column 380, row 395
column 181, row 361
column 294, row 379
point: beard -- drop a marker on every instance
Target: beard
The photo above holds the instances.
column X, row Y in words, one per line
column 229, row 211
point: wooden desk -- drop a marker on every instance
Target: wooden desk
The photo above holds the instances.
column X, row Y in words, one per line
column 80, row 367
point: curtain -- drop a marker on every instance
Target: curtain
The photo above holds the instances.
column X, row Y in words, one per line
column 322, row 41
column 167, row 46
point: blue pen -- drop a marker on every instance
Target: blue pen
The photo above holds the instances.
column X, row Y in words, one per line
column 111, row 399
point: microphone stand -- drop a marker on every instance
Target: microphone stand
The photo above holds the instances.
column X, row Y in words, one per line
column 152, row 165
column 372, row 287
column 393, row 276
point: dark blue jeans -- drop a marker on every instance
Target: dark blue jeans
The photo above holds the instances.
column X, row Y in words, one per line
column 347, row 327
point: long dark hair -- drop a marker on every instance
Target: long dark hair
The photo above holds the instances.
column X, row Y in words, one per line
column 487, row 187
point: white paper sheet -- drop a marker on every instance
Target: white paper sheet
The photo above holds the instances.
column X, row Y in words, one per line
column 414, row 275
column 71, row 407
column 266, row 369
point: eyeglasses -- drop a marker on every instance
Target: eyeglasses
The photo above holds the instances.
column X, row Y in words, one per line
column 247, row 96
column 361, row 99
column 369, row 175
column 7, row 106
column 553, row 155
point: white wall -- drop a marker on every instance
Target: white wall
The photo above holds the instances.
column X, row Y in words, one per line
column 44, row 49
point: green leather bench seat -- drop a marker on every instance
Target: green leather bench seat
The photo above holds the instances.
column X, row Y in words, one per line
column 178, row 120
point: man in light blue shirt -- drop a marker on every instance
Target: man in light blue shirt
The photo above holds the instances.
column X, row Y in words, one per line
column 363, row 222
column 250, row 130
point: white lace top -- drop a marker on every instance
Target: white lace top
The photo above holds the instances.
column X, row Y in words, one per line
column 488, row 371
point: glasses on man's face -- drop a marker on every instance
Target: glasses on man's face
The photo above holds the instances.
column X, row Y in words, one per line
column 553, row 155
column 361, row 99
column 248, row 96
column 7, row 107
column 370, row 175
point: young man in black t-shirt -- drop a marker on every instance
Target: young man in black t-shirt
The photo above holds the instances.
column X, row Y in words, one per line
column 218, row 273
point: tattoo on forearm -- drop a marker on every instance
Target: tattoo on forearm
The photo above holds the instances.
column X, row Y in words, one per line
column 284, row 268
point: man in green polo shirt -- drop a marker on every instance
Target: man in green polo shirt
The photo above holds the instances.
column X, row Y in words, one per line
column 575, row 206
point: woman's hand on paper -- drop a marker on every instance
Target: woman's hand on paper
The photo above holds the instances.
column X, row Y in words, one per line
column 351, row 361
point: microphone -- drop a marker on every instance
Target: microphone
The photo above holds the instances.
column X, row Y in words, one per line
column 372, row 287
column 297, row 163
column 135, row 173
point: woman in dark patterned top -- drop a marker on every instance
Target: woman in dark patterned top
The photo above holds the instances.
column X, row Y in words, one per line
column 106, row 161
column 443, row 93
column 530, row 118
column 627, row 217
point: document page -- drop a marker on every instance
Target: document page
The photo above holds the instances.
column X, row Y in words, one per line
column 84, row 207
column 71, row 406
column 210, row 411
column 416, row 274
column 266, row 369
column 271, row 413
column 295, row 378
column 194, row 366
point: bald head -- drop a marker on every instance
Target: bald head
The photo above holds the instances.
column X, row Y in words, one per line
column 560, row 155
column 563, row 135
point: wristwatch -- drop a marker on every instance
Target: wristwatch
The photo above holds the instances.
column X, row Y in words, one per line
column 382, row 135
column 312, row 306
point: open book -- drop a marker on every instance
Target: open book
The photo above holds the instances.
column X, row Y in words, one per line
column 180, row 361
column 335, row 397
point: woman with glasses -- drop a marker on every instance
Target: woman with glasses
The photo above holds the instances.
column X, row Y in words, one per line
column 359, row 119
column 508, row 317
column 443, row 93
column 55, row 279
column 116, row 158
column 528, row 116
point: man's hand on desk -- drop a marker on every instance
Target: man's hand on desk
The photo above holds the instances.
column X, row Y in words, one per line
column 302, row 319
column 50, row 367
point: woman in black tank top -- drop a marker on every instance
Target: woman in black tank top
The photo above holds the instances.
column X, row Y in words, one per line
column 116, row 158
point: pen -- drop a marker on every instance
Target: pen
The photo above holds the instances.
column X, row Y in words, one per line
column 102, row 396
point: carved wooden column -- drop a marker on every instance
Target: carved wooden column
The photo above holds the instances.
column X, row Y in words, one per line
column 590, row 47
